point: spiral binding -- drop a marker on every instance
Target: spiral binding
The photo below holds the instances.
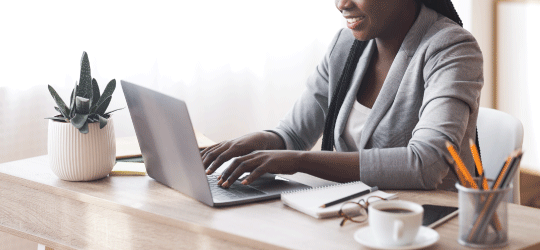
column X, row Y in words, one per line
column 322, row 187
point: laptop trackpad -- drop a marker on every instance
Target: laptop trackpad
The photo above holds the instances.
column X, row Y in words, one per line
column 272, row 184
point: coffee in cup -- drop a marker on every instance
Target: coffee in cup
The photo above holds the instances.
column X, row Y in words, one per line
column 395, row 223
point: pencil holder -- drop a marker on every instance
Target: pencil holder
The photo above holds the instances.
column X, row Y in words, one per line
column 483, row 221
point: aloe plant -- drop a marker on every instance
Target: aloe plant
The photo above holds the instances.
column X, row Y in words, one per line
column 86, row 104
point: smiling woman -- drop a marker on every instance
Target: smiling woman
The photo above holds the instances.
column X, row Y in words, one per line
column 399, row 82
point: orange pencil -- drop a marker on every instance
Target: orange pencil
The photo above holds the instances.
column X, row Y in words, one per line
column 495, row 221
column 463, row 170
column 503, row 171
column 455, row 170
column 475, row 230
column 478, row 162
column 461, row 166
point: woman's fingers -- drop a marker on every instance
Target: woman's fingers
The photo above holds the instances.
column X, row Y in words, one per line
column 232, row 167
column 245, row 166
column 204, row 151
column 212, row 154
column 255, row 174
column 223, row 157
column 227, row 172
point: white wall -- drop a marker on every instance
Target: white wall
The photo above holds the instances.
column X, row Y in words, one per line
column 519, row 71
column 239, row 64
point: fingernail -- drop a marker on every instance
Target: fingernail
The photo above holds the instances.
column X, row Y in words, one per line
column 219, row 177
column 226, row 184
column 244, row 182
column 208, row 171
column 219, row 182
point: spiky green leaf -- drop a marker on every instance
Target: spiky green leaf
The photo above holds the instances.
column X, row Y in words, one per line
column 57, row 109
column 72, row 105
column 58, row 119
column 85, row 79
column 84, row 128
column 114, row 110
column 103, row 107
column 82, row 105
column 95, row 94
column 102, row 122
column 109, row 89
column 71, row 97
column 79, row 120
column 64, row 110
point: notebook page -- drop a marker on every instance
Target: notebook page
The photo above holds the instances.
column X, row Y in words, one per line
column 317, row 196
column 309, row 201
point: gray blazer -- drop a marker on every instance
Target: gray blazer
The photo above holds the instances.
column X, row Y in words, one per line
column 430, row 95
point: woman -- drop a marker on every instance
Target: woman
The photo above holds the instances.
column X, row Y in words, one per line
column 399, row 81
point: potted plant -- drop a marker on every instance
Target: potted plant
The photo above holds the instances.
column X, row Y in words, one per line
column 81, row 143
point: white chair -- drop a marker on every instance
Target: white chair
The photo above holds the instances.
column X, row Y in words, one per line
column 499, row 134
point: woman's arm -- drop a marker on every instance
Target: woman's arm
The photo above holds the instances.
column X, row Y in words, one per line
column 333, row 166
column 217, row 154
column 452, row 73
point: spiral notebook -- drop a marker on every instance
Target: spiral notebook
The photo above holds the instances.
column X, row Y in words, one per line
column 309, row 201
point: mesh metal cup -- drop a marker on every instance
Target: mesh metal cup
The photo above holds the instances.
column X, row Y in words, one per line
column 483, row 219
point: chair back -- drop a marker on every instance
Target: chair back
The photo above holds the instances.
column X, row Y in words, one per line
column 499, row 134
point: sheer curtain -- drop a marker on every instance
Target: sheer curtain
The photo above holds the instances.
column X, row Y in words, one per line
column 238, row 64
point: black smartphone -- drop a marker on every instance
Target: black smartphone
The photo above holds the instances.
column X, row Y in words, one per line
column 433, row 213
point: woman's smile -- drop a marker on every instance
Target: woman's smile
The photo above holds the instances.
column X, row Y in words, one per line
column 353, row 22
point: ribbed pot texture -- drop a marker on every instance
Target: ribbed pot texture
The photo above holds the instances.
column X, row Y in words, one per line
column 74, row 156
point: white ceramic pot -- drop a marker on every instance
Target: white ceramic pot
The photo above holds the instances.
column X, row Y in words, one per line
column 74, row 156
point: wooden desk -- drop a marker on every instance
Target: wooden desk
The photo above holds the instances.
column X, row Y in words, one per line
column 136, row 212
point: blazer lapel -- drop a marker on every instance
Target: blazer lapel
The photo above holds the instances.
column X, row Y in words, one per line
column 386, row 96
column 397, row 71
column 350, row 98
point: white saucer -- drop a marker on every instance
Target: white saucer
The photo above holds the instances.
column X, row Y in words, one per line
column 425, row 237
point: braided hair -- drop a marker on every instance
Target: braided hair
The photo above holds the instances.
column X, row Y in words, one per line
column 444, row 7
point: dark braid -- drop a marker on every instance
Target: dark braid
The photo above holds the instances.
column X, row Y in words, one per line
column 444, row 7
column 339, row 94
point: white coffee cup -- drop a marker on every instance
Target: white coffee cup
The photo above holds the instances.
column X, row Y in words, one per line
column 395, row 223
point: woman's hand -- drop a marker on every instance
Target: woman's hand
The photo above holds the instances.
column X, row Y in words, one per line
column 259, row 163
column 217, row 154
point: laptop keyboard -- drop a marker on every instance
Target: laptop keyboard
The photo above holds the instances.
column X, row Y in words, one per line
column 235, row 191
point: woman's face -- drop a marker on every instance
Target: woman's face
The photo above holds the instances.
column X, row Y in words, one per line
column 369, row 19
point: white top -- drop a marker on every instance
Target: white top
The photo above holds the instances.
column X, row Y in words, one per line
column 355, row 124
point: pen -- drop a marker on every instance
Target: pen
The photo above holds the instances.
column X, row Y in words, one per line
column 444, row 219
column 367, row 191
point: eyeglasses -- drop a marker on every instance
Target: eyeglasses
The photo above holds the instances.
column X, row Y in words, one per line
column 357, row 211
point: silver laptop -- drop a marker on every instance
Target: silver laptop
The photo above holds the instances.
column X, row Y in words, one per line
column 171, row 154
